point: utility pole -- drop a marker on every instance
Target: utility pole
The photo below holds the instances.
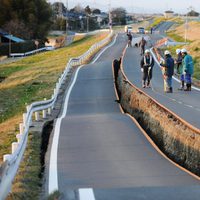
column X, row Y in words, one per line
column 66, row 17
column 186, row 24
column 10, row 44
column 186, row 27
column 110, row 16
column 60, row 9
column 87, row 23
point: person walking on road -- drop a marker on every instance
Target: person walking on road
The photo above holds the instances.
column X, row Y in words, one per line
column 130, row 37
column 168, row 71
column 188, row 69
column 147, row 64
column 142, row 45
column 178, row 62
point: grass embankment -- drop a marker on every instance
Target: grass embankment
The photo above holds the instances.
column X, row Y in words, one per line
column 28, row 182
column 193, row 45
column 156, row 21
column 32, row 79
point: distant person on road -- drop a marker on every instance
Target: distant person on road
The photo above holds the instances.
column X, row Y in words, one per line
column 179, row 68
column 142, row 45
column 151, row 30
column 147, row 64
column 130, row 37
column 188, row 69
column 168, row 71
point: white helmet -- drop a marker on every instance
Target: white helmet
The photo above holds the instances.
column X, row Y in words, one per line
column 183, row 51
column 178, row 51
column 147, row 51
column 167, row 52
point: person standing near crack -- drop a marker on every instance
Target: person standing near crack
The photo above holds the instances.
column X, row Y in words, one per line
column 179, row 67
column 188, row 69
column 142, row 45
column 147, row 64
column 168, row 70
column 130, row 37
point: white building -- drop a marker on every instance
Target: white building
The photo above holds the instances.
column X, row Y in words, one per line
column 168, row 14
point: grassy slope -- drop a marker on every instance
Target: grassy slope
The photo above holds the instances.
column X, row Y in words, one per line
column 193, row 43
column 27, row 183
column 32, row 79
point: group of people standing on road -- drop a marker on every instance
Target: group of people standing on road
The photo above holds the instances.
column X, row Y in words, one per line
column 185, row 69
column 184, row 63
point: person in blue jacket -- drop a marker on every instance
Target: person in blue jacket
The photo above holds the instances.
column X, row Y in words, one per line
column 188, row 69
column 168, row 71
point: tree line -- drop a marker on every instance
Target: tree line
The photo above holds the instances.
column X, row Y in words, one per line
column 27, row 19
column 32, row 19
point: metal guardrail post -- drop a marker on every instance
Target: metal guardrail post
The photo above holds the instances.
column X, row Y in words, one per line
column 37, row 116
column 14, row 146
column 6, row 157
column 19, row 137
column 44, row 114
column 49, row 111
column 21, row 128
column 24, row 119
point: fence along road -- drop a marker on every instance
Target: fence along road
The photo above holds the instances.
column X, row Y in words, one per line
column 101, row 150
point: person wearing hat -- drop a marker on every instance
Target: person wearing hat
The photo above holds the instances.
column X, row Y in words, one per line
column 147, row 63
column 178, row 60
column 188, row 69
column 168, row 71
column 178, row 63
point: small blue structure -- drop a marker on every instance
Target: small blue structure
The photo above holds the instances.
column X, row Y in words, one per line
column 6, row 38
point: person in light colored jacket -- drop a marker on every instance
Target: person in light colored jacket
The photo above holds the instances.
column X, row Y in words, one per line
column 188, row 69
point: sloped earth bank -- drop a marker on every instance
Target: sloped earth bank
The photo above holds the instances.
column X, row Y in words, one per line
column 177, row 139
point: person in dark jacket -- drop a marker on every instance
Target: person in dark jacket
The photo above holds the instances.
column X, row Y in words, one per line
column 168, row 71
column 147, row 64
column 188, row 69
column 130, row 37
column 142, row 45
column 178, row 62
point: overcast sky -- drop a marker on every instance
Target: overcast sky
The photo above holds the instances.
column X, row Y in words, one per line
column 145, row 6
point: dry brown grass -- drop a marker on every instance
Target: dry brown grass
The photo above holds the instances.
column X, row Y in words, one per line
column 193, row 32
column 78, row 37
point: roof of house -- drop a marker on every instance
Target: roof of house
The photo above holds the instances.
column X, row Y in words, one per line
column 169, row 11
column 2, row 32
column 13, row 38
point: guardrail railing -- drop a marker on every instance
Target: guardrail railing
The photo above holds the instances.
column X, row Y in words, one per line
column 29, row 52
column 12, row 161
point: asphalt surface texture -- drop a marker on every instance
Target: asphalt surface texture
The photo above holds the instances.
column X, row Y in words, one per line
column 184, row 104
column 101, row 148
